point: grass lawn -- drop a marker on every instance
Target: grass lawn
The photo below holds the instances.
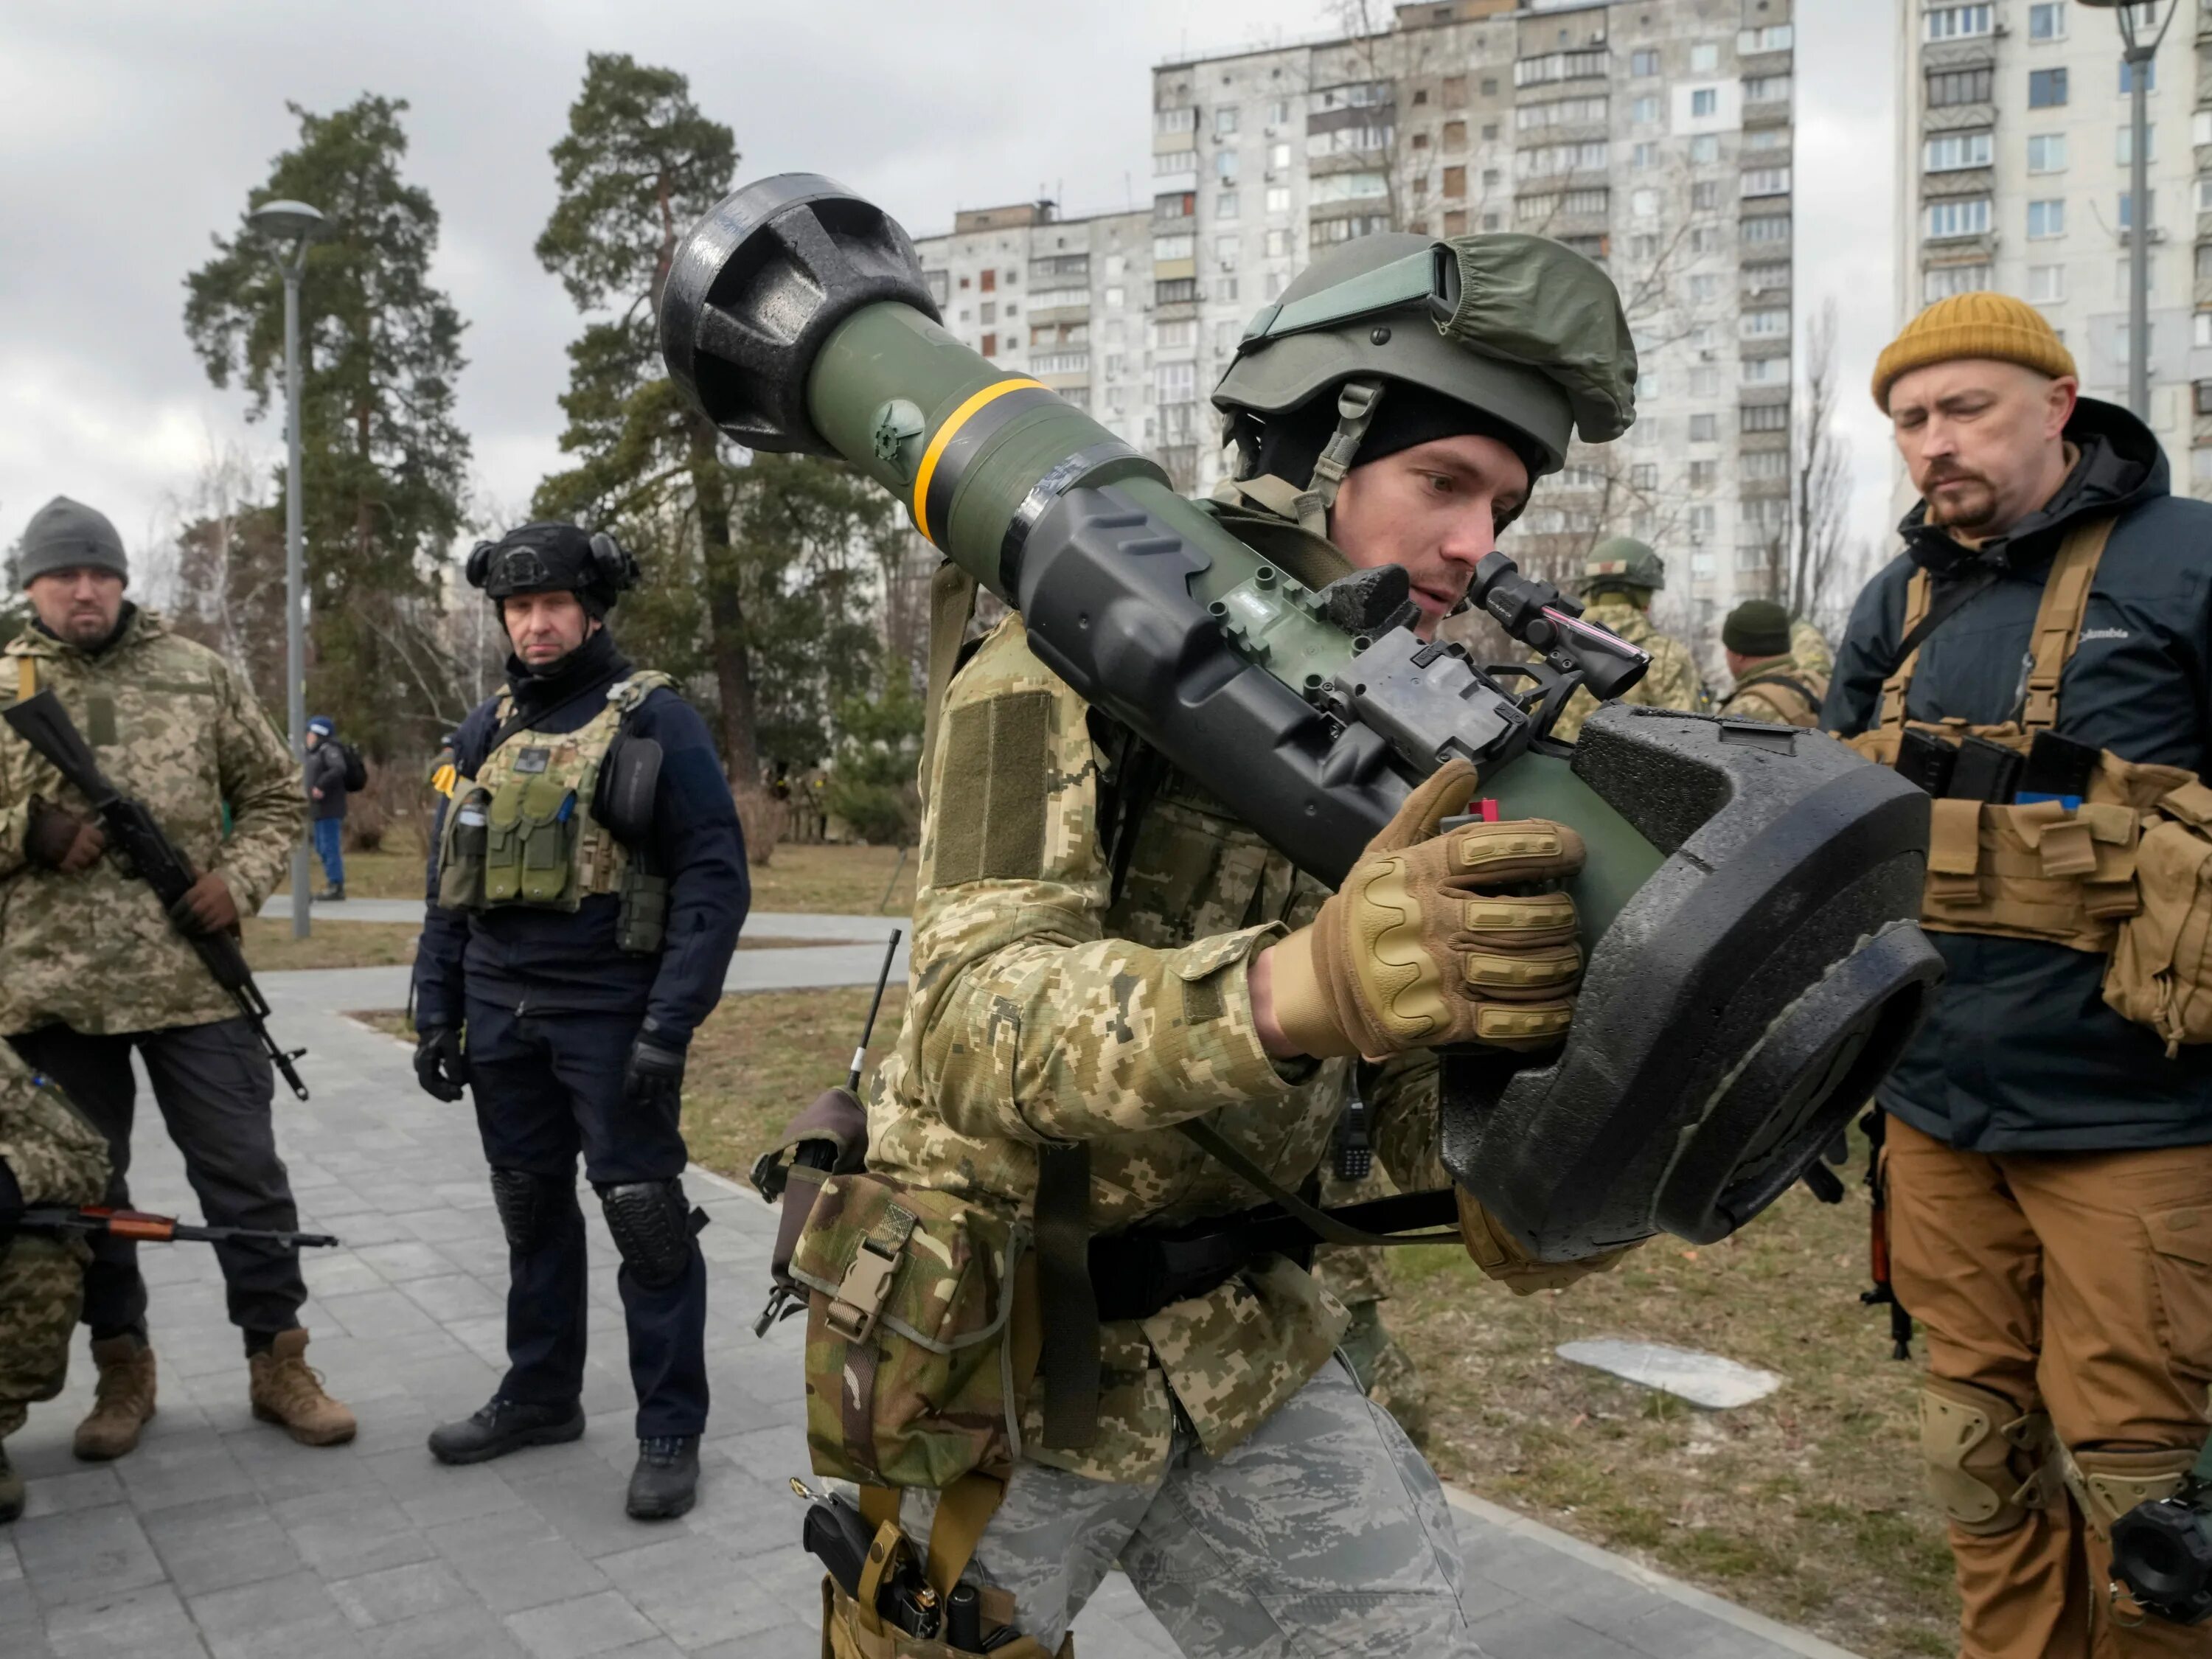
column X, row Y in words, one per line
column 270, row 948
column 837, row 880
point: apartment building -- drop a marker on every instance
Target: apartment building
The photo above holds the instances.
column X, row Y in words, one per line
column 1655, row 135
column 2017, row 139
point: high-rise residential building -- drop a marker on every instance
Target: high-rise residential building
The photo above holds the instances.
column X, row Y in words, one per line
column 2017, row 133
column 1653, row 135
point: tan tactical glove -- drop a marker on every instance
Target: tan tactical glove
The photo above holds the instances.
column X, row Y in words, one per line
column 1499, row 1255
column 1419, row 948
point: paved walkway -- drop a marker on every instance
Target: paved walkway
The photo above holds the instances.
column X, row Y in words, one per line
column 219, row 1539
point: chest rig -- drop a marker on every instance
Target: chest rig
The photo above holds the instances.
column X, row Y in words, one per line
column 2060, row 870
column 523, row 833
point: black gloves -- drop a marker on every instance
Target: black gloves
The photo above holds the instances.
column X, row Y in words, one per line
column 653, row 1079
column 440, row 1067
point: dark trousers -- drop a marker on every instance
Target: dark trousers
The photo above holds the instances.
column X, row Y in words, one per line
column 214, row 1087
column 547, row 1087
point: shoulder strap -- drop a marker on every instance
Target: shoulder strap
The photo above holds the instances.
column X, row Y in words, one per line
column 951, row 604
column 1812, row 702
column 1918, row 625
column 2058, row 619
column 1326, row 1226
column 1066, row 1302
column 26, row 677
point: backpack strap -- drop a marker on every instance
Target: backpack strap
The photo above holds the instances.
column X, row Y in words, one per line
column 2058, row 619
column 951, row 606
column 1899, row 679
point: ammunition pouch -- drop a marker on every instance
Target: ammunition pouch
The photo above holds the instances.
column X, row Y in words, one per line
column 847, row 1634
column 915, row 1369
column 2160, row 974
column 2106, row 1485
column 461, row 850
column 1990, row 1464
column 854, row 1628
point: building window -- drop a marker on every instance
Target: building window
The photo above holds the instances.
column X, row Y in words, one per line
column 1279, row 156
column 1278, row 244
column 1643, row 110
column 1971, row 85
column 1644, row 475
column 1704, row 196
column 1643, row 63
column 1176, row 120
column 1704, row 58
column 1172, row 161
column 2128, row 209
column 2046, row 219
column 2203, row 336
column 1764, row 417
column 1766, row 181
column 990, row 345
column 1767, row 89
column 2205, row 195
column 1174, row 247
column 1955, row 23
column 1968, row 216
column 2047, row 152
column 1701, row 518
column 2046, row 284
column 1941, row 281
column 2127, row 79
column 2204, row 397
column 1225, row 205
column 1455, row 181
column 1772, row 37
column 1765, row 371
column 1704, row 382
column 2046, row 89
column 2124, row 141
column 1224, row 164
column 1179, row 291
column 1705, row 289
column 1767, row 463
column 1768, row 228
column 1279, row 198
column 2046, row 21
column 1705, row 148
column 1454, row 135
column 1772, row 324
column 1948, row 152
column 1455, row 221
column 1704, row 429
column 1224, row 119
column 1705, row 101
column 1643, row 204
column 988, row 282
column 1455, row 92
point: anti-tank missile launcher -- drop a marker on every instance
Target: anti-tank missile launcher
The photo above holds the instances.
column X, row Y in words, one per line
column 1754, row 964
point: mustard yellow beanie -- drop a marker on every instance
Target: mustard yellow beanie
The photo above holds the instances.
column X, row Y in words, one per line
column 1982, row 325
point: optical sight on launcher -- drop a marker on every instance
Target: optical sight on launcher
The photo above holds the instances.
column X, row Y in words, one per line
column 1754, row 967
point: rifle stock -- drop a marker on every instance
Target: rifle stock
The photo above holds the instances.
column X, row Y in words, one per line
column 133, row 829
column 141, row 1227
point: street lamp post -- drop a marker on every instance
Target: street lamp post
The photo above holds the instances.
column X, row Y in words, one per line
column 293, row 225
column 2142, row 30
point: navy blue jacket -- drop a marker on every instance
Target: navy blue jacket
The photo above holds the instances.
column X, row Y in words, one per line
column 554, row 962
column 2021, row 1053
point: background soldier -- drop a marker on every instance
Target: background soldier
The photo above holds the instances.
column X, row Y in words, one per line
column 95, row 970
column 1064, row 1020
column 1618, row 578
column 587, row 890
column 48, row 1155
column 1809, row 648
column 2050, row 1182
column 1770, row 684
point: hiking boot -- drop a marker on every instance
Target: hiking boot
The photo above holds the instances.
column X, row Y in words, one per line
column 666, row 1482
column 11, row 1489
column 123, row 1401
column 334, row 895
column 286, row 1390
column 501, row 1427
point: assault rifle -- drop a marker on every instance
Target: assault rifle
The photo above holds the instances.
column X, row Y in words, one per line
column 41, row 721
column 99, row 1221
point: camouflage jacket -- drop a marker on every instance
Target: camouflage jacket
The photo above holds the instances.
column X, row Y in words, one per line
column 1810, row 650
column 1042, row 1010
column 1671, row 682
column 1776, row 688
column 174, row 725
column 56, row 1156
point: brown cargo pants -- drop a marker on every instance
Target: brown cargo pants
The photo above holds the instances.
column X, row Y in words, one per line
column 2078, row 1283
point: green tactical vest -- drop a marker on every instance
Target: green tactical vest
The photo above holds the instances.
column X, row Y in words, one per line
column 521, row 832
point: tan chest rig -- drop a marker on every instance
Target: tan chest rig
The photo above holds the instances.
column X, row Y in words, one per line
column 521, row 833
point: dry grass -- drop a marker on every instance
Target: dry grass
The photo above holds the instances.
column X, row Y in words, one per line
column 836, row 880
column 394, row 872
column 1806, row 1505
column 270, row 948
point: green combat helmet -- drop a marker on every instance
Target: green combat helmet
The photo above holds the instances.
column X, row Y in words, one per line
column 1523, row 332
column 1623, row 561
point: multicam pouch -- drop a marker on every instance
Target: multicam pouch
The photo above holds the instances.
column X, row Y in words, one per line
column 2160, row 974
column 849, row 1633
column 911, row 1379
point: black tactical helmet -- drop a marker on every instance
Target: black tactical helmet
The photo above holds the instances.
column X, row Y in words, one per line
column 1523, row 332
column 554, row 558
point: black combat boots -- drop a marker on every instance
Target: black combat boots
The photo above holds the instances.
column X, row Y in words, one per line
column 666, row 1482
column 506, row 1425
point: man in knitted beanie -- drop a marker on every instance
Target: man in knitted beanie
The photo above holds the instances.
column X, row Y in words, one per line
column 2048, row 1161
column 1771, row 685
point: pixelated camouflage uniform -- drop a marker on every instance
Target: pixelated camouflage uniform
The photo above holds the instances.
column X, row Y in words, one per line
column 1776, row 688
column 173, row 724
column 1042, row 1009
column 57, row 1158
column 1673, row 681
column 1810, row 651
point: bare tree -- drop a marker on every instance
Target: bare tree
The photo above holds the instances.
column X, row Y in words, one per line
column 1811, row 560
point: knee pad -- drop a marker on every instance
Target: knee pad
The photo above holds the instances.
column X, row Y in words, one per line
column 2108, row 1484
column 530, row 1206
column 652, row 1224
column 1990, row 1465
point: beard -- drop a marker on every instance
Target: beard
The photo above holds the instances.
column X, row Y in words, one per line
column 1958, row 508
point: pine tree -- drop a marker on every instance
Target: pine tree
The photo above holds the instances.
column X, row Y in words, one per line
column 383, row 462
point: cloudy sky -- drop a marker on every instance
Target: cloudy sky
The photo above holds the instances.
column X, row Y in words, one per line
column 133, row 132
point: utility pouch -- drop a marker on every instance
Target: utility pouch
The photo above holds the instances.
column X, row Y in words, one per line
column 910, row 1369
column 2160, row 974
column 642, row 924
column 549, row 828
column 847, row 1633
column 502, row 878
column 461, row 851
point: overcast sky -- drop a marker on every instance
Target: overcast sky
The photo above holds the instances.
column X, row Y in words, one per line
column 133, row 132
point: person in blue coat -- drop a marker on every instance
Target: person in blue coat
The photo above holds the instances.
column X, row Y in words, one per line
column 585, row 894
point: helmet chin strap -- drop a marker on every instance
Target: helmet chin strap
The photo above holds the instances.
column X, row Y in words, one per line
column 1357, row 401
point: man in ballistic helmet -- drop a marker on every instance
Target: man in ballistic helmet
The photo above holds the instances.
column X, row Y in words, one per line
column 1618, row 578
column 585, row 894
column 1077, row 893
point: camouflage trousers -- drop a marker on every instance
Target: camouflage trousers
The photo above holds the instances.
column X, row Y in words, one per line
column 1324, row 1533
column 41, row 1288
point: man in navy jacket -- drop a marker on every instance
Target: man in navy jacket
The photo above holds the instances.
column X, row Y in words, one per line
column 584, row 898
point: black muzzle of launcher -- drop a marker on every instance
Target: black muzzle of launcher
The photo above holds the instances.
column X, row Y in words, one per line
column 1754, row 967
